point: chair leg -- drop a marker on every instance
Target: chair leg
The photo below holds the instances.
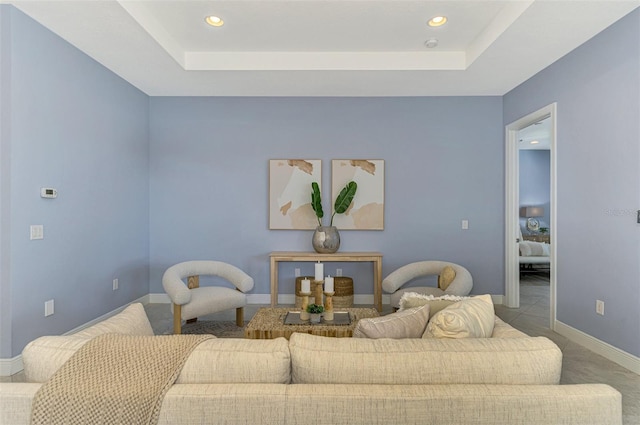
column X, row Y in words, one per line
column 240, row 316
column 177, row 319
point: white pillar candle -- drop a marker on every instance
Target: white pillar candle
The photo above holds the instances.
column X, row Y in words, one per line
column 328, row 284
column 319, row 270
column 305, row 286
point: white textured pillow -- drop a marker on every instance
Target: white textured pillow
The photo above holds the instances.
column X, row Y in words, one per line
column 408, row 323
column 473, row 318
column 415, row 299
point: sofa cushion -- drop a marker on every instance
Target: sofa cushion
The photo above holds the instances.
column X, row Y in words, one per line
column 409, row 323
column 472, row 318
column 453, row 404
column 502, row 329
column 132, row 320
column 518, row 361
column 42, row 357
column 227, row 360
column 213, row 361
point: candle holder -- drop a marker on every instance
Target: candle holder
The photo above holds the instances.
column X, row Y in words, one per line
column 328, row 306
column 317, row 291
column 305, row 303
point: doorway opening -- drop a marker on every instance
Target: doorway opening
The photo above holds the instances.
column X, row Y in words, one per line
column 530, row 218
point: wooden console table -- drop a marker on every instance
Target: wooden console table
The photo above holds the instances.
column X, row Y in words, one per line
column 374, row 257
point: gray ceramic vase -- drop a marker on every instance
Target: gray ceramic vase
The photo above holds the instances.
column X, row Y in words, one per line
column 326, row 239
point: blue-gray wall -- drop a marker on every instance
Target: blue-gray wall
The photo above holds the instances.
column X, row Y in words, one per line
column 597, row 90
column 75, row 126
column 202, row 166
column 535, row 178
column 443, row 163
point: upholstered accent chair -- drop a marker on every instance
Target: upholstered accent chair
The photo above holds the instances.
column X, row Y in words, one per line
column 453, row 279
column 190, row 300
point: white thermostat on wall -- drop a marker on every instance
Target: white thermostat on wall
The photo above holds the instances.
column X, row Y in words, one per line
column 48, row 192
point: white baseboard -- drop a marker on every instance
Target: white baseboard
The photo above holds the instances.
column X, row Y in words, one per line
column 12, row 366
column 608, row 351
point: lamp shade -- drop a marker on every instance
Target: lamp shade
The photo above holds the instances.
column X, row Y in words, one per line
column 534, row 212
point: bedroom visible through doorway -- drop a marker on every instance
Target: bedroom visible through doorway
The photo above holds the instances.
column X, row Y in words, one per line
column 531, row 211
column 534, row 206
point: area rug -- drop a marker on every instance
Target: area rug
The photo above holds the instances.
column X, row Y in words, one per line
column 221, row 329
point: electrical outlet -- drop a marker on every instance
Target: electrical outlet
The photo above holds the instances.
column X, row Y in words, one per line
column 465, row 224
column 115, row 284
column 48, row 308
column 600, row 307
column 338, row 272
column 36, row 231
column 297, row 272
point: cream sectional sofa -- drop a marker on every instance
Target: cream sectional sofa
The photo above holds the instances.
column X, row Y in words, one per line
column 507, row 379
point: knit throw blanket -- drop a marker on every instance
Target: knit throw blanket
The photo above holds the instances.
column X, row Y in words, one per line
column 114, row 379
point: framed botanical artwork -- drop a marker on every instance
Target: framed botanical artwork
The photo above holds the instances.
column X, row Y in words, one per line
column 290, row 193
column 367, row 209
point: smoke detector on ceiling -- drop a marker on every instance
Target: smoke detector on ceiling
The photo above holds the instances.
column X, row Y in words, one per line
column 431, row 43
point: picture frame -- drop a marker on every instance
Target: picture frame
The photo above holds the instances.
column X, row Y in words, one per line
column 290, row 193
column 367, row 209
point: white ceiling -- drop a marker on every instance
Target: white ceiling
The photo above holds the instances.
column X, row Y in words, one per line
column 325, row 47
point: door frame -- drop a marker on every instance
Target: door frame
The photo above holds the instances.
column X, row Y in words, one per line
column 512, row 223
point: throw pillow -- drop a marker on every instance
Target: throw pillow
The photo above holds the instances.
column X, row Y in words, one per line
column 415, row 299
column 445, row 278
column 546, row 249
column 525, row 249
column 537, row 248
column 473, row 318
column 409, row 323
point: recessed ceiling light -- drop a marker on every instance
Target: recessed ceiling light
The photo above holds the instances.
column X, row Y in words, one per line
column 214, row 21
column 437, row 21
column 534, row 142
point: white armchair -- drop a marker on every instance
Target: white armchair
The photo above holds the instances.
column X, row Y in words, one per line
column 190, row 300
column 461, row 284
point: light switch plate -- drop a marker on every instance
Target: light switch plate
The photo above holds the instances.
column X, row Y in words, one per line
column 48, row 308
